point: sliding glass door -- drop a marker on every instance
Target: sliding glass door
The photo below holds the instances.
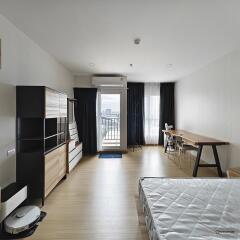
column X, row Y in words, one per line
column 109, row 120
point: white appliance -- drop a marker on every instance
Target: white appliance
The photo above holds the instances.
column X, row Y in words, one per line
column 9, row 202
column 109, row 81
column 22, row 219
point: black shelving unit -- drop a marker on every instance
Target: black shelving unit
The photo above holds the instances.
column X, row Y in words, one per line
column 41, row 128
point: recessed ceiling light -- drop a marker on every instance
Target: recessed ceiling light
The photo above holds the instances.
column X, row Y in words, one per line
column 91, row 65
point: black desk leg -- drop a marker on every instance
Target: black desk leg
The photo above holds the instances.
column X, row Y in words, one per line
column 166, row 147
column 220, row 174
column 199, row 153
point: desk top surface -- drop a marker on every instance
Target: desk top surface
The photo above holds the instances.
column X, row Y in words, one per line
column 195, row 138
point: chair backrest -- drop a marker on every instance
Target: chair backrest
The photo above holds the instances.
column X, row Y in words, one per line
column 168, row 127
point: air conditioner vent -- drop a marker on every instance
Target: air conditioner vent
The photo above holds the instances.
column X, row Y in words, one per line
column 115, row 81
column 108, row 75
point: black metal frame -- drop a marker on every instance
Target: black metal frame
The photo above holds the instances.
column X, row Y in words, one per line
column 217, row 162
column 167, row 146
column 168, row 143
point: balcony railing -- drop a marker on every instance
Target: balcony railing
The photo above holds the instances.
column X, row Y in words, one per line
column 110, row 131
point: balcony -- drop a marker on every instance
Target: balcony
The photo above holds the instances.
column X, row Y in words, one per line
column 110, row 126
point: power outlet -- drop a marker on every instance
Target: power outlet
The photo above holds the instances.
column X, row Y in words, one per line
column 11, row 152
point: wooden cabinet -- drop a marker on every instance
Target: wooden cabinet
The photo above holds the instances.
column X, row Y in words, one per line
column 51, row 171
column 41, row 139
column 52, row 104
column 62, row 161
column 63, row 105
column 56, row 104
column 42, row 102
column 55, row 168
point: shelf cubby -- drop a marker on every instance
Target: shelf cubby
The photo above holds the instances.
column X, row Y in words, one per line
column 30, row 128
column 50, row 127
column 28, row 146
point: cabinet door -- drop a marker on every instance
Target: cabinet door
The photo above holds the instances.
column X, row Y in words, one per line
column 51, row 171
column 55, row 168
column 62, row 161
column 63, row 105
column 52, row 103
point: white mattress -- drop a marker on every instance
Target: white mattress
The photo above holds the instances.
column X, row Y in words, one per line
column 196, row 209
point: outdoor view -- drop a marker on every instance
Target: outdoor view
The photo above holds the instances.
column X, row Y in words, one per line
column 110, row 120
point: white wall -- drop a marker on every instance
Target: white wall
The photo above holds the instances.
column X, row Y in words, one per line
column 207, row 102
column 83, row 82
column 23, row 63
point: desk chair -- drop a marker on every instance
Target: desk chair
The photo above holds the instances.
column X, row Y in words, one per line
column 183, row 148
column 170, row 142
column 169, row 138
column 171, row 146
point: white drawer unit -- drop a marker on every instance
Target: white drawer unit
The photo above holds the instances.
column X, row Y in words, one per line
column 74, row 147
column 75, row 151
column 73, row 133
column 71, row 145
column 74, row 154
column 75, row 161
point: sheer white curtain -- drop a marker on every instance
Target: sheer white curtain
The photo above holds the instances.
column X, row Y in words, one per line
column 151, row 108
column 99, row 123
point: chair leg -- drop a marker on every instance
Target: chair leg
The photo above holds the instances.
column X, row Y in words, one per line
column 168, row 151
column 175, row 152
column 179, row 157
column 192, row 160
column 189, row 159
column 166, row 147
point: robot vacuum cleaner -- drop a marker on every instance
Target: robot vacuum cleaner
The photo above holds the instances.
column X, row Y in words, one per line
column 22, row 219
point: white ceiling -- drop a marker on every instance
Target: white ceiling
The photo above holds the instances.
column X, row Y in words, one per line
column 185, row 33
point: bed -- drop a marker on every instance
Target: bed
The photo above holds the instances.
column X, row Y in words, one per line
column 194, row 209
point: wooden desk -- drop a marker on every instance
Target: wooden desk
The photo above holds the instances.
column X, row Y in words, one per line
column 200, row 141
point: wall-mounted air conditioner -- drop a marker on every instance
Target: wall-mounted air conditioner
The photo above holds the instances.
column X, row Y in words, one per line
column 109, row 81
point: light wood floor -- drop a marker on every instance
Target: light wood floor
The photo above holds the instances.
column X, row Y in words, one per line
column 96, row 202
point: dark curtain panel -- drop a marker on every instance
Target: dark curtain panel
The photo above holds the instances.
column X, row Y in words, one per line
column 135, row 114
column 167, row 111
column 85, row 114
